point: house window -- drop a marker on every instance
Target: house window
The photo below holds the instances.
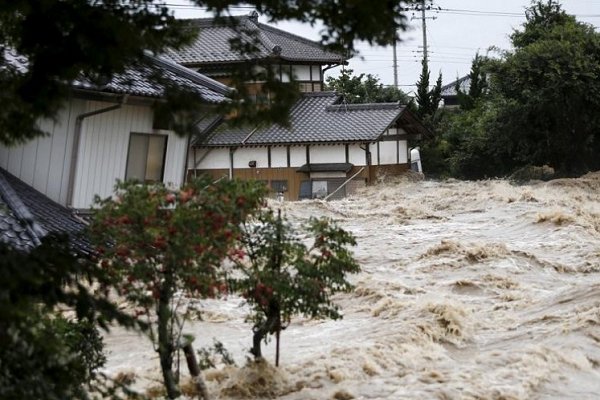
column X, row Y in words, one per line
column 279, row 186
column 146, row 157
column 319, row 189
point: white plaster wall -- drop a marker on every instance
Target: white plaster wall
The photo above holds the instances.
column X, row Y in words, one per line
column 373, row 149
column 328, row 154
column 278, row 156
column 297, row 156
column 301, row 72
column 388, row 152
column 403, row 151
column 243, row 156
column 356, row 155
column 217, row 158
column 316, row 73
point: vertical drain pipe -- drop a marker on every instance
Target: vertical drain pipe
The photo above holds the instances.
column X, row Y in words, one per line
column 77, row 140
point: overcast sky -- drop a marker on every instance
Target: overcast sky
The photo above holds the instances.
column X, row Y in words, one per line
column 454, row 34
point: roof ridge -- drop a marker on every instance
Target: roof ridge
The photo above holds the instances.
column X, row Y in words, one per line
column 324, row 93
column 190, row 74
column 452, row 84
column 290, row 35
column 363, row 106
column 14, row 202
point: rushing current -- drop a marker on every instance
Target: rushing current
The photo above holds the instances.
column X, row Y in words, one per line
column 468, row 290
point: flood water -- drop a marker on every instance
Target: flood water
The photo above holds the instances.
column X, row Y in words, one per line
column 468, row 290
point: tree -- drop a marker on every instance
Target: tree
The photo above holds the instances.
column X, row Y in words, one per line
column 42, row 355
column 47, row 44
column 155, row 241
column 364, row 89
column 428, row 99
column 551, row 91
column 477, row 86
column 281, row 277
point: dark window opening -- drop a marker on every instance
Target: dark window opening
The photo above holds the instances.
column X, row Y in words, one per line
column 146, row 157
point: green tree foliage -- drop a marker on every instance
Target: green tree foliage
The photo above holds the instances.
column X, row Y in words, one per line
column 281, row 277
column 539, row 107
column 477, row 85
column 43, row 355
column 550, row 83
column 364, row 89
column 155, row 242
column 428, row 99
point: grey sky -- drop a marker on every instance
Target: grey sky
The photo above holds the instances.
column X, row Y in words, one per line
column 458, row 31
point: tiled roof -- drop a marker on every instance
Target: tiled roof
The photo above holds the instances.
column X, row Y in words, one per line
column 213, row 44
column 315, row 118
column 26, row 216
column 450, row 89
column 139, row 80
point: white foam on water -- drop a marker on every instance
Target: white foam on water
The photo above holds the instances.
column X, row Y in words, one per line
column 468, row 290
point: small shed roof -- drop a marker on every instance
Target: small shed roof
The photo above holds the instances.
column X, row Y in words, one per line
column 26, row 216
column 212, row 46
column 316, row 118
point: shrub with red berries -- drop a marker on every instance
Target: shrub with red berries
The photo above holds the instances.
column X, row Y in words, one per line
column 280, row 276
column 154, row 241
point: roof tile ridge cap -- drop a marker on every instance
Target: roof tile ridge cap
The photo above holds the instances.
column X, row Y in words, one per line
column 324, row 93
column 365, row 106
column 293, row 36
column 190, row 74
column 458, row 81
column 214, row 22
column 14, row 202
column 262, row 37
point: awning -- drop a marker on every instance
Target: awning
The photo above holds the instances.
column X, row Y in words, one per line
column 326, row 167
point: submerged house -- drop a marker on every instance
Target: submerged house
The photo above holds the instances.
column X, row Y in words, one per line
column 109, row 132
column 327, row 141
column 326, row 144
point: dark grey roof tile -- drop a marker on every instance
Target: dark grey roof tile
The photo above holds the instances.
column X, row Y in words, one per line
column 213, row 44
column 140, row 80
column 316, row 118
column 51, row 217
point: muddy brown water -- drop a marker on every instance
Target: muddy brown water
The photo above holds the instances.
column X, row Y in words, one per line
column 468, row 290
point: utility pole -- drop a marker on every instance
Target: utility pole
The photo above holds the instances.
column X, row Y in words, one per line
column 395, row 66
column 424, row 24
column 423, row 8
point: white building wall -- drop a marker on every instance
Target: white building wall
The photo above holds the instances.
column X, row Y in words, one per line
column 356, row 155
column 327, row 154
column 103, row 150
column 44, row 162
column 278, row 157
column 403, row 151
column 243, row 156
column 297, row 156
column 301, row 72
column 373, row 149
column 388, row 152
column 217, row 158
